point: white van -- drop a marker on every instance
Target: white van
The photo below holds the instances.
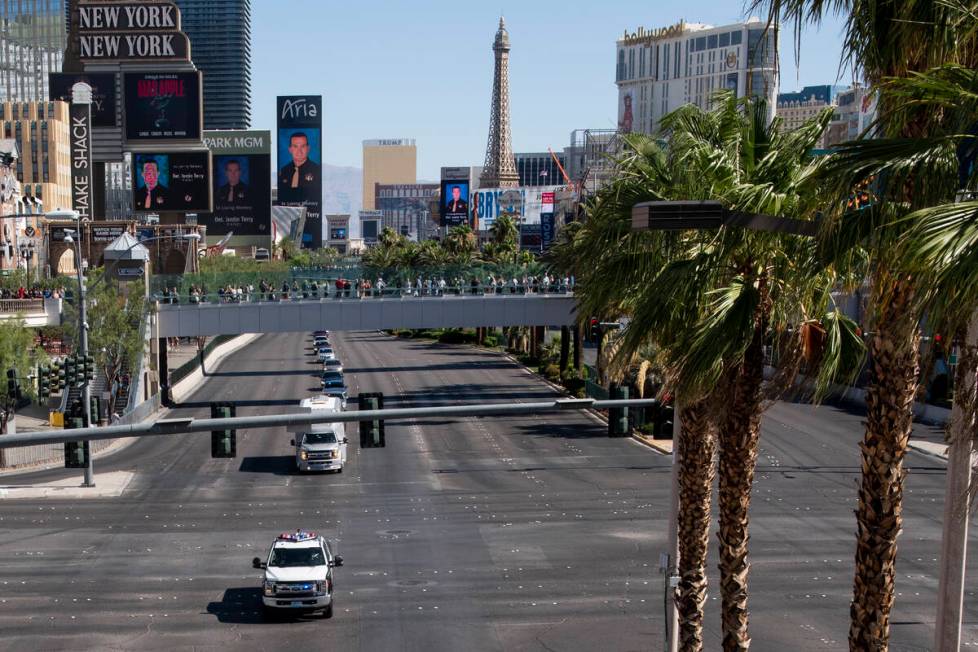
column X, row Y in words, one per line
column 320, row 446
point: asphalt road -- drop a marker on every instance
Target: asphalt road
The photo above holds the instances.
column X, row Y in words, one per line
column 465, row 534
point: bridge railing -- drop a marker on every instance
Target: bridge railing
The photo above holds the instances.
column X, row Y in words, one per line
column 210, row 282
column 21, row 306
column 309, row 293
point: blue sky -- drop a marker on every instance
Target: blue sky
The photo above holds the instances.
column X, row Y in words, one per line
column 423, row 69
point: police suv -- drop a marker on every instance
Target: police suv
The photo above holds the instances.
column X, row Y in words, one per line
column 320, row 446
column 298, row 574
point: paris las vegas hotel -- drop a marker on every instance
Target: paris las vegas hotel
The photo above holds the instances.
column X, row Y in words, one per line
column 659, row 70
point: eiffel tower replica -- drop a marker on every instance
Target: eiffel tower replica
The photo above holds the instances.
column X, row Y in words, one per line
column 500, row 169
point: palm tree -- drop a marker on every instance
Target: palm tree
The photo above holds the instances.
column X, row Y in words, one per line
column 461, row 244
column 711, row 301
column 886, row 39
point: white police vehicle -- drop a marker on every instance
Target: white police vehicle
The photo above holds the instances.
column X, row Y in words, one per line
column 320, row 446
column 298, row 574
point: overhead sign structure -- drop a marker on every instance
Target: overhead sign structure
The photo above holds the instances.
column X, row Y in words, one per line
column 242, row 195
column 103, row 93
column 300, row 176
column 163, row 106
column 171, row 181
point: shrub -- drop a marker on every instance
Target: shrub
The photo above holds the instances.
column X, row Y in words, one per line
column 490, row 341
column 455, row 336
column 551, row 372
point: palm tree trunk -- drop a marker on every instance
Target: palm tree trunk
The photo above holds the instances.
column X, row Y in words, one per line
column 696, row 472
column 738, row 458
column 889, row 418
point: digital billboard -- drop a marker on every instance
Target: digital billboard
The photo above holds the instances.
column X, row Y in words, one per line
column 103, row 93
column 242, row 195
column 171, row 181
column 162, row 105
column 454, row 202
column 300, row 177
column 525, row 204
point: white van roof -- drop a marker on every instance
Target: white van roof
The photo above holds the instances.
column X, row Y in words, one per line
column 329, row 403
column 315, row 404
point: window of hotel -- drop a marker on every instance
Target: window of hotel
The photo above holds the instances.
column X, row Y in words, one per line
column 621, row 66
column 725, row 39
column 711, row 42
column 735, row 38
column 641, row 62
column 700, row 43
column 679, row 54
column 631, row 63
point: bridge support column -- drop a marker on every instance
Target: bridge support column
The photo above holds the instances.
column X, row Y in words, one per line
column 564, row 347
column 578, row 360
column 165, row 398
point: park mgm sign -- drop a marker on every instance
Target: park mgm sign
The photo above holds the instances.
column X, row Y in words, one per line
column 646, row 37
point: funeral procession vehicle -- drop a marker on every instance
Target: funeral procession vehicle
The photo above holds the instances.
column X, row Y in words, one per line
column 298, row 574
column 320, row 446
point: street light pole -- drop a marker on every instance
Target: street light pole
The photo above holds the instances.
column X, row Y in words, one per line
column 83, row 351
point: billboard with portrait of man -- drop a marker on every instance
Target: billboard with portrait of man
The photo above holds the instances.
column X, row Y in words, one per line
column 242, row 196
column 454, row 202
column 171, row 181
column 299, row 179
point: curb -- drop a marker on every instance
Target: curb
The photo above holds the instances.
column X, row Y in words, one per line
column 119, row 445
column 655, row 445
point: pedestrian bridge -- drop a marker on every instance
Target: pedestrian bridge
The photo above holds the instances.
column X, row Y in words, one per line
column 369, row 313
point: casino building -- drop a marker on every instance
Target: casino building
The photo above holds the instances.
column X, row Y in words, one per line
column 220, row 38
column 32, row 44
column 659, row 70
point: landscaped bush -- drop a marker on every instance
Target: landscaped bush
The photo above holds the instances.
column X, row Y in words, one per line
column 454, row 336
column 551, row 372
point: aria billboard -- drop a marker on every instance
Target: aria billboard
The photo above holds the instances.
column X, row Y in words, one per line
column 163, row 106
column 300, row 175
column 242, row 194
column 171, row 181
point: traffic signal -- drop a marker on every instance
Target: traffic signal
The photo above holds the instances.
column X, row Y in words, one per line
column 12, row 384
column 76, row 452
column 58, row 379
column 43, row 382
column 223, row 442
column 88, row 367
column 372, row 432
column 618, row 417
column 70, row 372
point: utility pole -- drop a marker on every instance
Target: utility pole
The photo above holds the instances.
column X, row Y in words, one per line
column 669, row 565
column 957, row 500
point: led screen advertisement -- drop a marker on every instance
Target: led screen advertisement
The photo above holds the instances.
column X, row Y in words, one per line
column 454, row 202
column 242, row 195
column 103, row 93
column 299, row 176
column 171, row 181
column 163, row 106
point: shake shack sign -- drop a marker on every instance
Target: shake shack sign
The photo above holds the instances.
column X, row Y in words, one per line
column 109, row 31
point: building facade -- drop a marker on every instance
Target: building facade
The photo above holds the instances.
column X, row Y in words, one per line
column 42, row 133
column 33, row 37
column 387, row 161
column 659, row 70
column 795, row 109
column 220, row 42
column 539, row 168
column 406, row 208
column 855, row 112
